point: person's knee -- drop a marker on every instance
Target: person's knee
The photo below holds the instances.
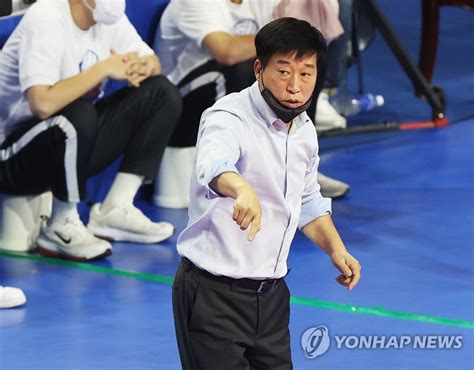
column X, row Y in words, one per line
column 82, row 116
column 163, row 93
column 79, row 108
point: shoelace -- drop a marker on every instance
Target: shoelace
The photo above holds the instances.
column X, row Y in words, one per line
column 77, row 228
column 135, row 213
column 137, row 218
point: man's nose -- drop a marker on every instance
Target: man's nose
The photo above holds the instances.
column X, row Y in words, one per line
column 293, row 86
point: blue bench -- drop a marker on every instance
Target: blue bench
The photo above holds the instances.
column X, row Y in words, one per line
column 7, row 25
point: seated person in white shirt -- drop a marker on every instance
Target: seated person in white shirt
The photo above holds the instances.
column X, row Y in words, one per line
column 56, row 132
column 256, row 168
column 207, row 49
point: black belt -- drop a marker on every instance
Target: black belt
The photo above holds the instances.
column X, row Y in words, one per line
column 254, row 286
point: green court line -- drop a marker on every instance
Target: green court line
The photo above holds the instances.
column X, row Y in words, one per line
column 163, row 279
column 301, row 301
column 380, row 311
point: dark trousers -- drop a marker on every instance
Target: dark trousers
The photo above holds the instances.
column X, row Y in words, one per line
column 61, row 153
column 337, row 49
column 200, row 90
column 222, row 326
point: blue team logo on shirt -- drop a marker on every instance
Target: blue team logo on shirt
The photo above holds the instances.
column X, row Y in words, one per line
column 245, row 27
column 88, row 60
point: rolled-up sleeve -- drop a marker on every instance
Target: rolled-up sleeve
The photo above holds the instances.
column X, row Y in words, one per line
column 313, row 204
column 218, row 148
column 197, row 20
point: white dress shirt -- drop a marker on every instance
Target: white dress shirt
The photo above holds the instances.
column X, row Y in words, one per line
column 240, row 133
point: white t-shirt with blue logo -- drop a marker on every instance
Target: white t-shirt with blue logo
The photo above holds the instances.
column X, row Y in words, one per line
column 48, row 47
column 185, row 23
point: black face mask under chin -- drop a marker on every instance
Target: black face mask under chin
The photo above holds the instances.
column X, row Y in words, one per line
column 282, row 112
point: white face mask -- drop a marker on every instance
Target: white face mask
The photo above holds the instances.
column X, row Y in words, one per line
column 107, row 11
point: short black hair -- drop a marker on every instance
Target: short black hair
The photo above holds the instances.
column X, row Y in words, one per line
column 289, row 35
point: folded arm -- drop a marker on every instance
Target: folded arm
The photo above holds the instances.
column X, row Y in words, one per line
column 228, row 49
column 46, row 100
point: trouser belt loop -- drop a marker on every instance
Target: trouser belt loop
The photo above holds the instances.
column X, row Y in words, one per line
column 267, row 283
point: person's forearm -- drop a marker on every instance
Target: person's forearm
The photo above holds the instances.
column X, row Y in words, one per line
column 228, row 184
column 241, row 49
column 229, row 49
column 51, row 99
column 323, row 232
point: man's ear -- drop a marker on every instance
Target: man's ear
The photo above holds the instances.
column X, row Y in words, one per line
column 257, row 69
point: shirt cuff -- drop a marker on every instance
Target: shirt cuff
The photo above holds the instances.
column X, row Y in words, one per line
column 217, row 168
column 317, row 207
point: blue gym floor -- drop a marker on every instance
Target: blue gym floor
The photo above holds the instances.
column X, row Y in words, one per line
column 409, row 219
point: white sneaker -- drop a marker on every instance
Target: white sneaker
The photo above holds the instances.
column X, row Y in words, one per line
column 332, row 188
column 127, row 224
column 327, row 117
column 71, row 240
column 11, row 297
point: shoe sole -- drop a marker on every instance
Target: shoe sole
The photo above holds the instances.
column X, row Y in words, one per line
column 338, row 195
column 61, row 255
column 14, row 302
column 125, row 236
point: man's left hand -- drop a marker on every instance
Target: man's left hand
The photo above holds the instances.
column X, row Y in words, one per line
column 349, row 268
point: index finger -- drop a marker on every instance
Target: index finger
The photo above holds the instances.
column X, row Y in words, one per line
column 355, row 279
column 355, row 268
column 343, row 268
column 254, row 228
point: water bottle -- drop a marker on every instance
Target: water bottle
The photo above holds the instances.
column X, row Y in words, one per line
column 348, row 106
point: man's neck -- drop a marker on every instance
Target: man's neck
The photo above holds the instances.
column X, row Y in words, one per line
column 81, row 15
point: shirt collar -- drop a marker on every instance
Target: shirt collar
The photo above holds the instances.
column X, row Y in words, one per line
column 267, row 113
